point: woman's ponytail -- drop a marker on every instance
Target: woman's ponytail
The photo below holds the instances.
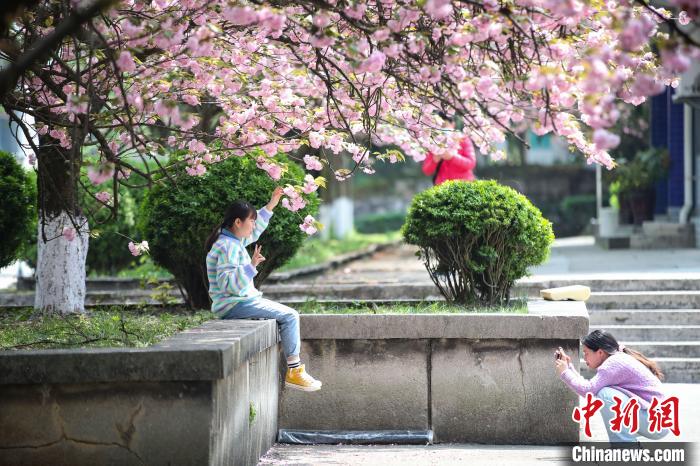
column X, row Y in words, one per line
column 600, row 339
column 651, row 365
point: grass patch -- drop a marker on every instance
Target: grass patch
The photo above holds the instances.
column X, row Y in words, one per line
column 100, row 327
column 317, row 251
column 436, row 307
column 146, row 270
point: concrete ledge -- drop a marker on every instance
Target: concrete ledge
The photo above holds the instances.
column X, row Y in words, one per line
column 207, row 396
column 545, row 320
column 486, row 378
column 206, row 353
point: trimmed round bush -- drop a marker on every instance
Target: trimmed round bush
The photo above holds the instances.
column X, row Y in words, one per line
column 176, row 219
column 18, row 202
column 476, row 238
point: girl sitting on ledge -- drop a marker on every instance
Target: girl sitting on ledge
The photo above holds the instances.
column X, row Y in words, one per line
column 231, row 270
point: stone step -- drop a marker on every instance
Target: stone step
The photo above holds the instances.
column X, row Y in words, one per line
column 689, row 299
column 662, row 241
column 676, row 370
column 352, row 291
column 607, row 293
column 667, row 228
column 666, row 349
column 640, row 282
column 645, row 317
column 652, row 333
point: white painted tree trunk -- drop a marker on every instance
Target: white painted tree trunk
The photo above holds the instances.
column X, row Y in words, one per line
column 60, row 270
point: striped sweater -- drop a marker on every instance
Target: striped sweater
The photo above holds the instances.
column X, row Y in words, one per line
column 229, row 269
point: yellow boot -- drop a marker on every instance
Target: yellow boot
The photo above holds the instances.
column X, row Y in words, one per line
column 298, row 379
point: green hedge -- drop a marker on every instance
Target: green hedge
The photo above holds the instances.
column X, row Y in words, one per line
column 570, row 216
column 177, row 218
column 108, row 253
column 18, row 200
column 380, row 223
column 476, row 238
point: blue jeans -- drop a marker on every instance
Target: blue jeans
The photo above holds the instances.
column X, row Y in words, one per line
column 606, row 395
column 286, row 317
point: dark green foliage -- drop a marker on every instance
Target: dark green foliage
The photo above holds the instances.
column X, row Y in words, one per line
column 642, row 171
column 476, row 238
column 380, row 223
column 107, row 252
column 576, row 214
column 571, row 215
column 176, row 219
column 18, row 204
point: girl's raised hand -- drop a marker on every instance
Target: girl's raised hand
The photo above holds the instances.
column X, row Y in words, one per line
column 275, row 198
column 257, row 256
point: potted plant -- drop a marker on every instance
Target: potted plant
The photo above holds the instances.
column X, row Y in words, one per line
column 634, row 184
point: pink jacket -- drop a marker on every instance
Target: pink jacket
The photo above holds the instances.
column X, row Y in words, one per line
column 620, row 371
column 459, row 167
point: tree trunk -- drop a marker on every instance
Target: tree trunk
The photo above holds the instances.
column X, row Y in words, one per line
column 60, row 271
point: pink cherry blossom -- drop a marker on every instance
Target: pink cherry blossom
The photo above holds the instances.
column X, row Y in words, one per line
column 309, row 184
column 438, row 9
column 308, row 226
column 69, row 233
column 604, row 140
column 138, row 248
column 683, row 18
column 330, row 75
column 675, row 61
column 293, row 201
column 357, row 11
column 125, row 62
column 123, row 173
column 313, row 163
column 240, row 16
column 373, row 63
column 98, row 175
column 103, row 196
column 191, row 99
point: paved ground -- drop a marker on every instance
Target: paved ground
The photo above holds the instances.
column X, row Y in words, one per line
column 8, row 275
column 574, row 257
column 470, row 454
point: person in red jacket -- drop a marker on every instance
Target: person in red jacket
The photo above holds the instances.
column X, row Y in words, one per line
column 459, row 166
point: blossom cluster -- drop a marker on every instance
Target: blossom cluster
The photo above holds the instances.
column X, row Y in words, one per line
column 345, row 76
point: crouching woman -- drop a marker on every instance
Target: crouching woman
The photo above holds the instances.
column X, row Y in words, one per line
column 620, row 372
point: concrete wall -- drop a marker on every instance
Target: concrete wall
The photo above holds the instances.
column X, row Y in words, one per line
column 186, row 401
column 486, row 378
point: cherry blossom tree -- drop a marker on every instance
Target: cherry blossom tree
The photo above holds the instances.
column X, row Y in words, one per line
column 205, row 80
